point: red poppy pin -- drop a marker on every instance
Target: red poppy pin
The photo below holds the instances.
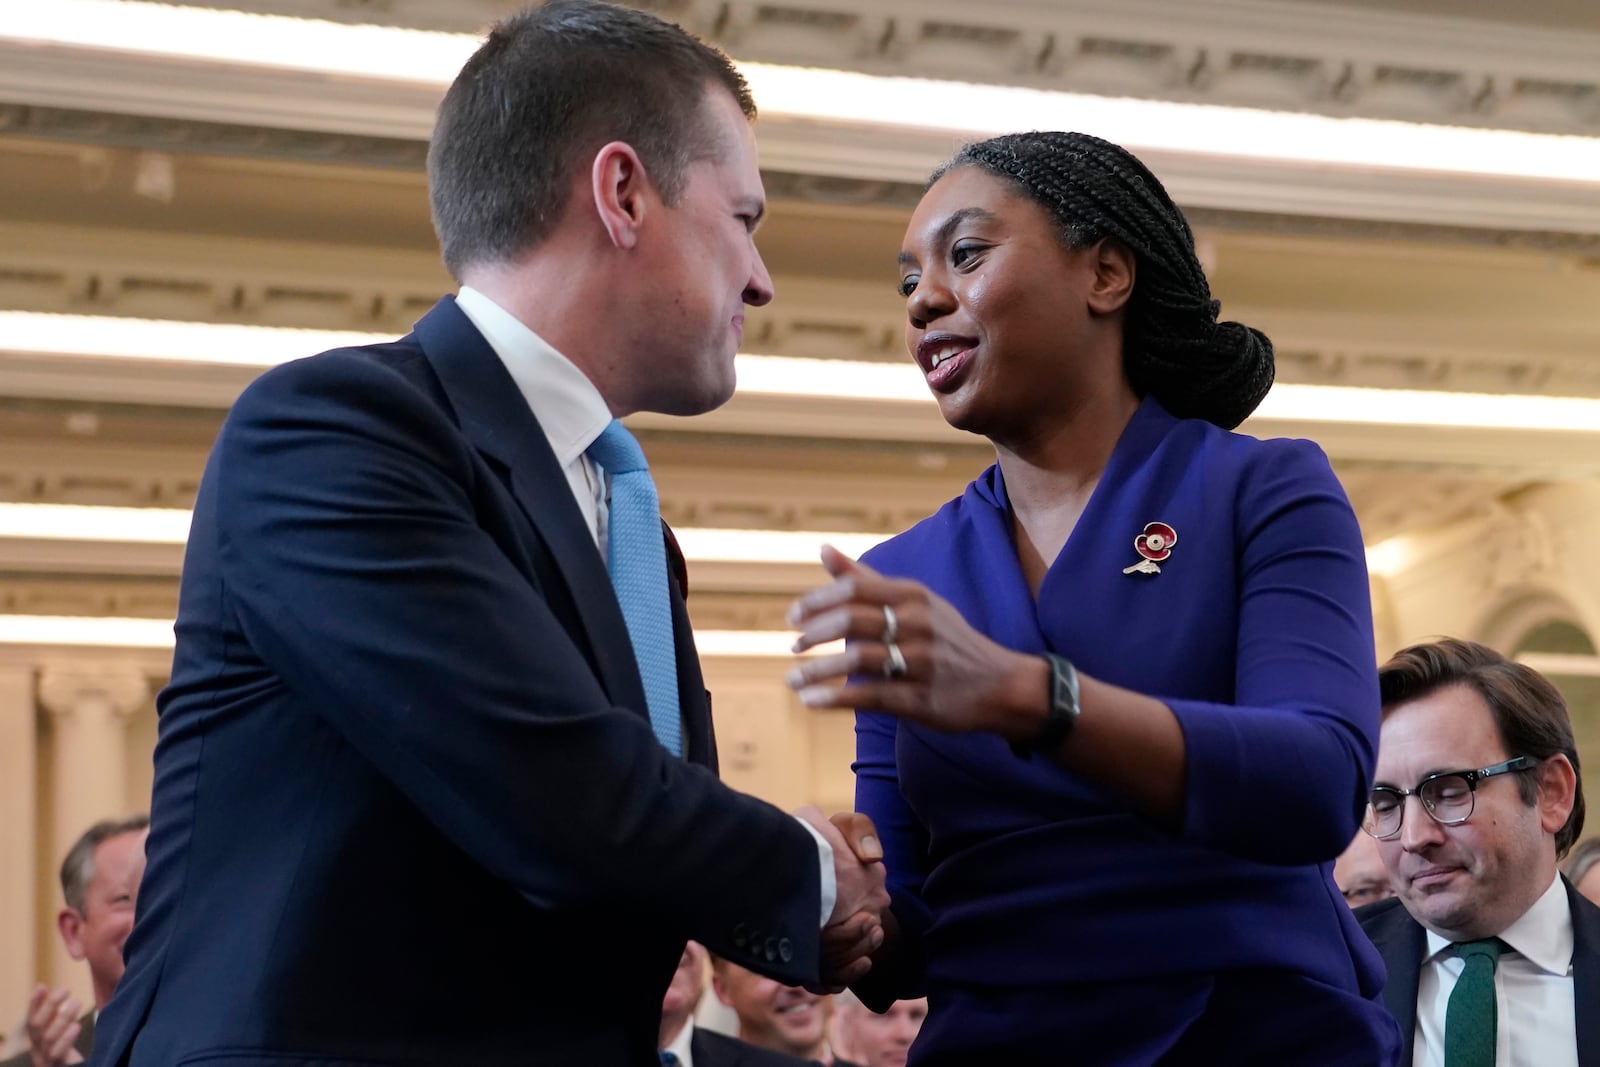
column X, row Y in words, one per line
column 1155, row 545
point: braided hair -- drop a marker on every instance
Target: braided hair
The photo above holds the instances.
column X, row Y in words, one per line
column 1173, row 346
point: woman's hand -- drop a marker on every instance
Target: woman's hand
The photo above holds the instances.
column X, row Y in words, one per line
column 913, row 654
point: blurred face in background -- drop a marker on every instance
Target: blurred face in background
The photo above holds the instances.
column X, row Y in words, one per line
column 1359, row 872
column 871, row 1040
column 1589, row 885
column 779, row 1017
column 96, row 933
column 683, row 995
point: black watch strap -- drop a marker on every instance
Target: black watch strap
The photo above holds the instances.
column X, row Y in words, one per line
column 1063, row 713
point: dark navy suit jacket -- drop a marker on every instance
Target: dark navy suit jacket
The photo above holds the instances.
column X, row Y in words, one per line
column 408, row 808
column 1403, row 943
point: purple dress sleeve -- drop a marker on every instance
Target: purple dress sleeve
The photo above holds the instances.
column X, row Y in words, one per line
column 1280, row 775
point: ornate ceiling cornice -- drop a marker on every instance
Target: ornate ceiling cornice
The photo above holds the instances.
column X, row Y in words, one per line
column 166, row 134
column 1289, row 56
column 140, row 274
column 1326, row 58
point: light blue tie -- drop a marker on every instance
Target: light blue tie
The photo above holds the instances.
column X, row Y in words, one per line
column 637, row 558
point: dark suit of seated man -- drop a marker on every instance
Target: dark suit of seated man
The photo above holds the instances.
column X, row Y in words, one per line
column 683, row 1044
column 435, row 710
column 1492, row 958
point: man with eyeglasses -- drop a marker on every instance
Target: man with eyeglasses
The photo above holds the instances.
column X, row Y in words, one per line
column 1493, row 958
column 1359, row 872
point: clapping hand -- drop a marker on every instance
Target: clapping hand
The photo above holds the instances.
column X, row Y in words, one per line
column 53, row 1027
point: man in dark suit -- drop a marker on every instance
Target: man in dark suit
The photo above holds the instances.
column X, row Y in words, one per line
column 417, row 791
column 683, row 1044
column 1492, row 957
column 100, row 886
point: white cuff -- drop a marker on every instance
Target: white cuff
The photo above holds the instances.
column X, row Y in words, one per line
column 830, row 884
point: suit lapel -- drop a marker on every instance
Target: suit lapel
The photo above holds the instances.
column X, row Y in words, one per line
column 699, row 740
column 497, row 421
column 1401, row 942
column 1405, row 974
column 1585, row 975
column 85, row 1042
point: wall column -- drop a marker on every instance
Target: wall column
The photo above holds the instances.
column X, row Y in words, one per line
column 19, row 829
column 89, row 705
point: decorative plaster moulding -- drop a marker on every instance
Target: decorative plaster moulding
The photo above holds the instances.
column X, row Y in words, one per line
column 1321, row 56
column 1548, row 436
column 385, row 104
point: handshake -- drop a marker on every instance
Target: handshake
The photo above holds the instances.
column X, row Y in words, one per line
column 857, row 928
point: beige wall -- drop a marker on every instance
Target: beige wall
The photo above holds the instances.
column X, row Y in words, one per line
column 75, row 740
column 771, row 746
column 1524, row 562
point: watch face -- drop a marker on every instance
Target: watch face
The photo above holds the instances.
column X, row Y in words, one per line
column 1062, row 714
column 1064, row 686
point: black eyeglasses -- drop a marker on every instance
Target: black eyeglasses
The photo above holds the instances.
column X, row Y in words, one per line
column 1447, row 796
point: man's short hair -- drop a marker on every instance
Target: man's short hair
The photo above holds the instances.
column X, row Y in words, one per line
column 1529, row 712
column 547, row 88
column 77, row 870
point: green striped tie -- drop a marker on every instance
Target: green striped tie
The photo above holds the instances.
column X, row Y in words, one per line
column 1471, row 1018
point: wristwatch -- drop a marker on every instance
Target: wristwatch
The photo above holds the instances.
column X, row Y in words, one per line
column 1063, row 713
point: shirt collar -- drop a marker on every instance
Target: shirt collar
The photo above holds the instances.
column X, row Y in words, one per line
column 1543, row 934
column 680, row 1044
column 569, row 408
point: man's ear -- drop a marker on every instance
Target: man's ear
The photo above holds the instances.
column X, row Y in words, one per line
column 70, row 924
column 1558, row 789
column 1114, row 268
column 620, row 186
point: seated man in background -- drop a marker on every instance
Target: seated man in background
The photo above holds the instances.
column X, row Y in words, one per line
column 872, row 1040
column 786, row 1019
column 685, row 1045
column 100, row 883
column 1493, row 958
column 1359, row 872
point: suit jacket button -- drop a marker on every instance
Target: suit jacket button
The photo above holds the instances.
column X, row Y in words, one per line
column 771, row 949
column 741, row 936
column 785, row 950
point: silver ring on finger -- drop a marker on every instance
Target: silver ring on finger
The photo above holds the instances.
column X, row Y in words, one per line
column 895, row 665
column 891, row 625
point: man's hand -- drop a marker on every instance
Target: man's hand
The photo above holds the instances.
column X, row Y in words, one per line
column 53, row 1027
column 855, row 929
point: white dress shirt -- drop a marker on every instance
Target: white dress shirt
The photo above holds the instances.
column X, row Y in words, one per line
column 1532, row 988
column 569, row 408
column 572, row 413
column 680, row 1046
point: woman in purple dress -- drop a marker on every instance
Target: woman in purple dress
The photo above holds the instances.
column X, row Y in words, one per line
column 1123, row 697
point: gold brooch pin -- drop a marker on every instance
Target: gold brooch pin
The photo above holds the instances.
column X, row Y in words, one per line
column 1155, row 545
